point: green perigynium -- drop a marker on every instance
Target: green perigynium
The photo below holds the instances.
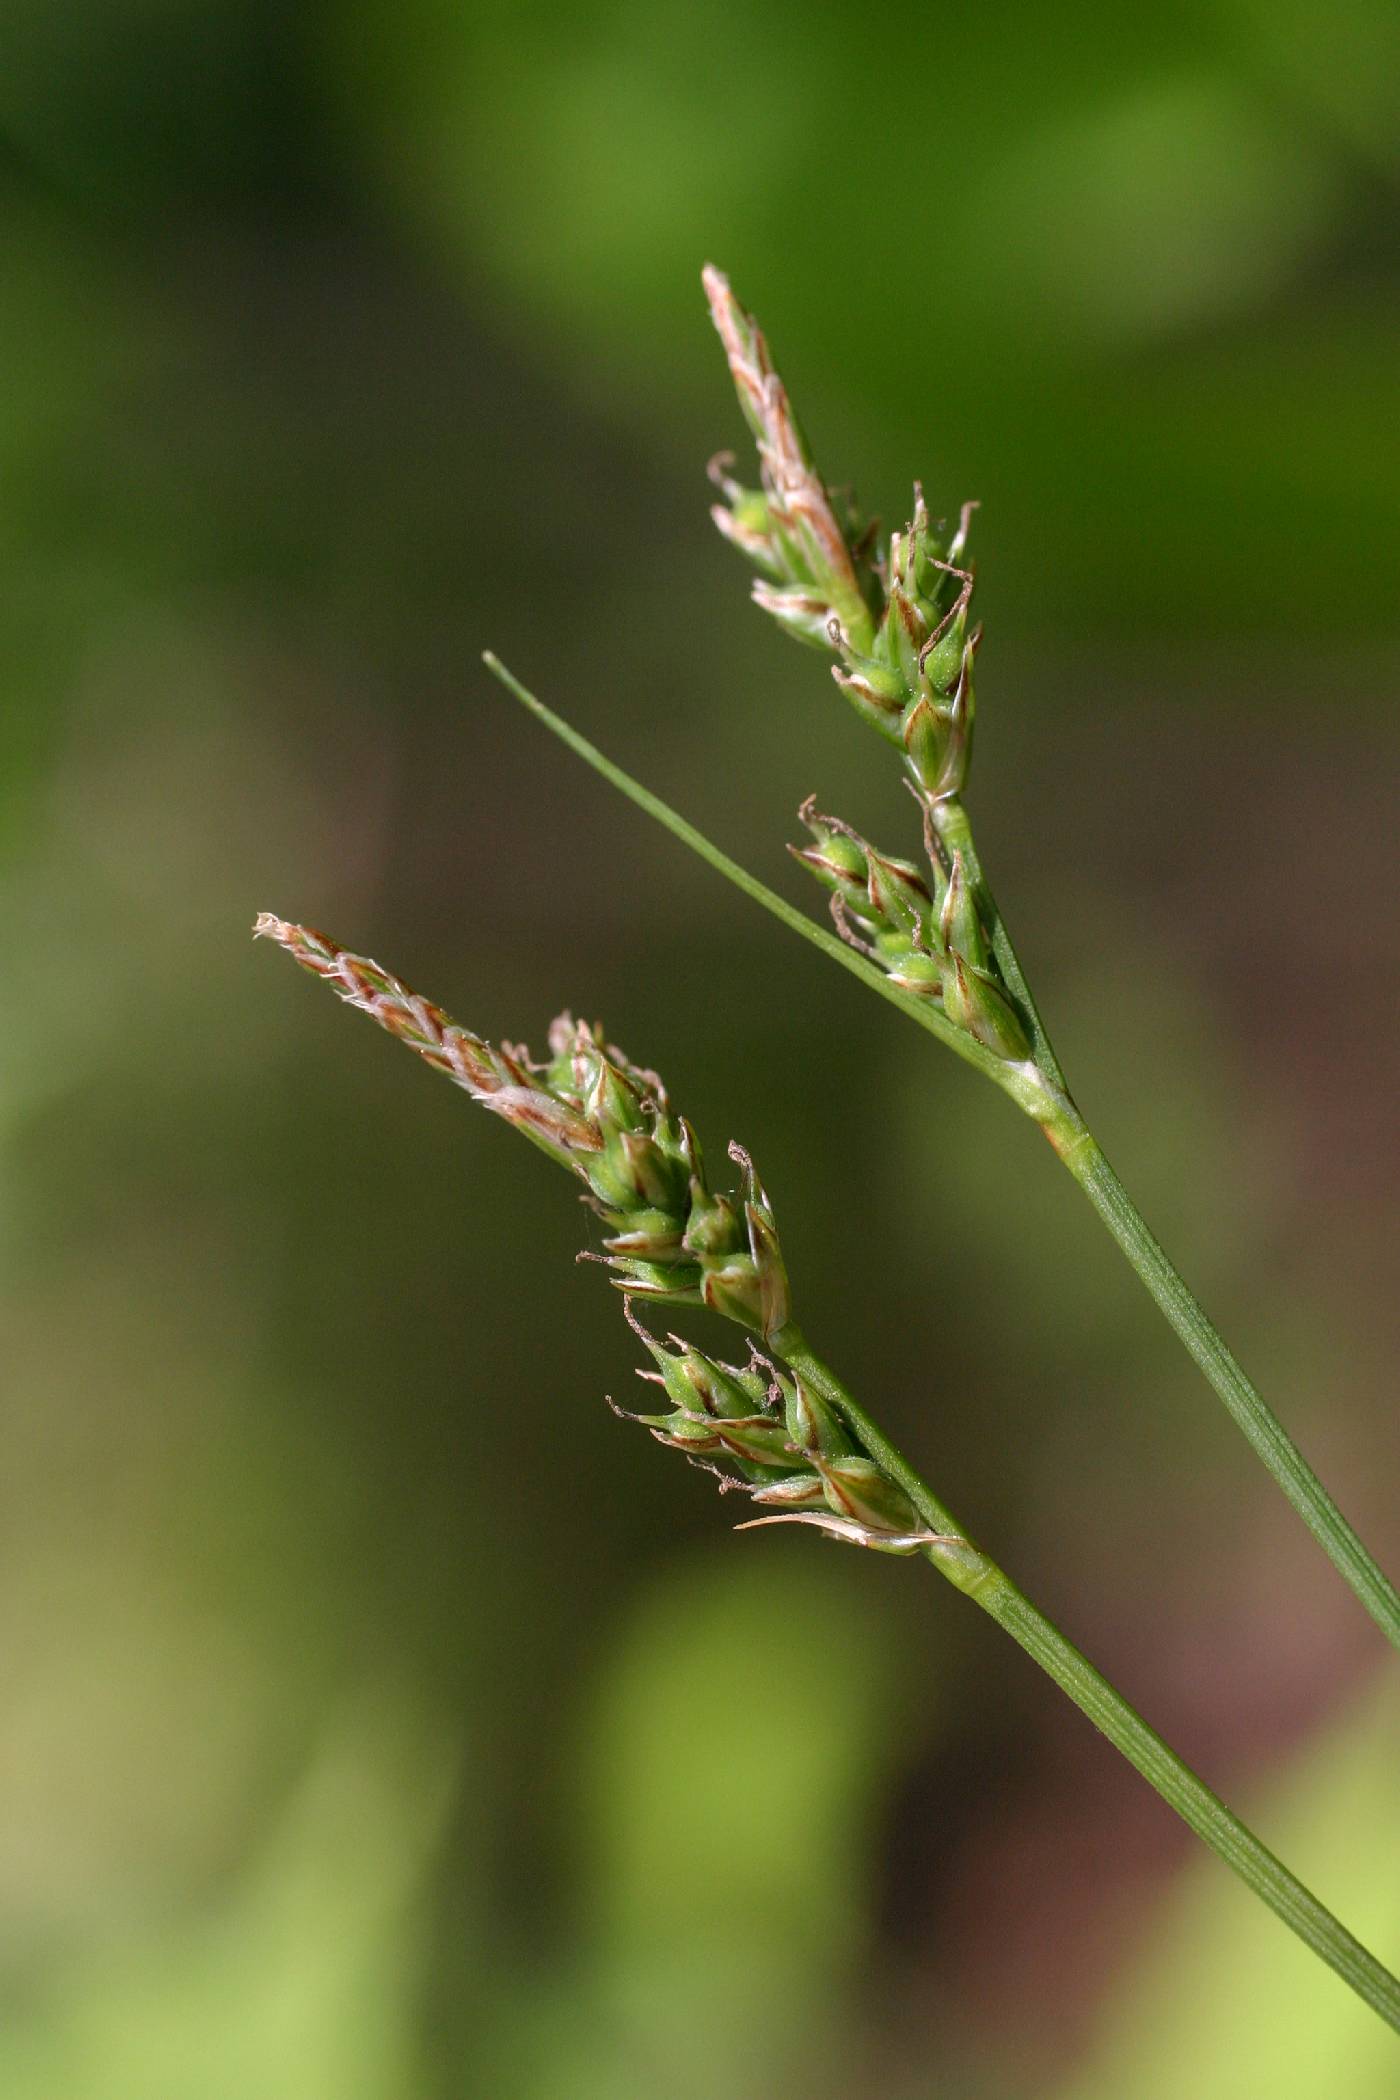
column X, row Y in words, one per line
column 765, row 1430
column 922, row 930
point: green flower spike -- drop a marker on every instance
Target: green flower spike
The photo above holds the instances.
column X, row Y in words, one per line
column 786, row 1446
column 925, row 935
column 669, row 1236
column 897, row 624
column 810, row 548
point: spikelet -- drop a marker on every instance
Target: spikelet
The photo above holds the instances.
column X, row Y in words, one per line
column 897, row 621
column 813, row 561
column 760, row 1429
column 668, row 1235
column 899, row 628
column 923, row 932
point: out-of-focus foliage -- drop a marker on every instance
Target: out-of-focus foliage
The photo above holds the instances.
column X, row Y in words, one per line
column 379, row 1719
column 1208, row 2015
column 1042, row 254
column 303, row 1984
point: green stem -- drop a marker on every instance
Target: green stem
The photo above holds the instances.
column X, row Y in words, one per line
column 979, row 1577
column 1081, row 1153
column 1247, row 1408
column 1024, row 1085
column 1038, row 1087
column 951, row 822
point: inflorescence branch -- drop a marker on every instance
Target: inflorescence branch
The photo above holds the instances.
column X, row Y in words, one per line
column 935, row 931
column 780, row 1428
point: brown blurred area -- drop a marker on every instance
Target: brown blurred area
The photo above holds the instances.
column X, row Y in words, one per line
column 381, row 1717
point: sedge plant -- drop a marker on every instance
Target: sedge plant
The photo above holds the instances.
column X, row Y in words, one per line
column 894, row 613
column 778, row 1428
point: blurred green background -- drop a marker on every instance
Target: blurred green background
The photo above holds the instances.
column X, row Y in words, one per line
column 380, row 1719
